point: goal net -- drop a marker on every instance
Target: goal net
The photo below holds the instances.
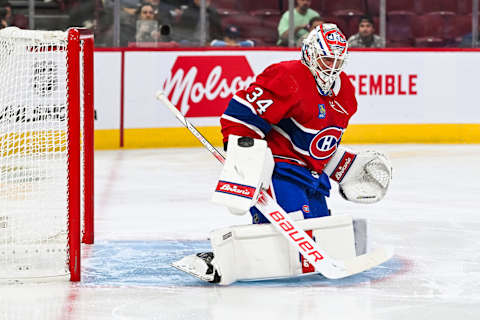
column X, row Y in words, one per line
column 46, row 152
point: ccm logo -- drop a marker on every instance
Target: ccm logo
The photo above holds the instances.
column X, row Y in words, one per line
column 303, row 243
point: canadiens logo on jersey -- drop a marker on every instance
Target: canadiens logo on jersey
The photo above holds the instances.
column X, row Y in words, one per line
column 325, row 143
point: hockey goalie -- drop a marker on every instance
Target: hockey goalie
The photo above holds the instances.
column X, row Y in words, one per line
column 282, row 135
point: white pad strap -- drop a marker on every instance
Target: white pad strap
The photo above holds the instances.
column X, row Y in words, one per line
column 248, row 169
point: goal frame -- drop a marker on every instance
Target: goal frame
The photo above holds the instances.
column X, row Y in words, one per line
column 74, row 46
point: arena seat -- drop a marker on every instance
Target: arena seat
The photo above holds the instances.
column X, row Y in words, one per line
column 427, row 6
column 435, row 25
column 223, row 12
column 343, row 7
column 429, row 42
column 269, row 18
column 317, row 5
column 170, row 44
column 254, row 5
column 463, row 25
column 269, row 14
column 342, row 24
column 400, row 43
column 226, row 4
column 243, row 21
column 464, row 6
column 399, row 28
column 373, row 6
column 348, row 23
column 267, row 36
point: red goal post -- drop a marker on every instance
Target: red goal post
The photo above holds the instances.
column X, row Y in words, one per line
column 46, row 152
column 80, row 41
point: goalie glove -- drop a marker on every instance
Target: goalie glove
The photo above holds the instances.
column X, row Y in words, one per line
column 362, row 177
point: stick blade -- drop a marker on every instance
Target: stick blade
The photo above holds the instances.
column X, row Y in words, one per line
column 364, row 262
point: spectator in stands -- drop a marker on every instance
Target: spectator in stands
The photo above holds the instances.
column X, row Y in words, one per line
column 103, row 23
column 187, row 31
column 232, row 38
column 12, row 19
column 301, row 17
column 312, row 24
column 163, row 11
column 148, row 27
column 365, row 38
column 3, row 21
column 82, row 14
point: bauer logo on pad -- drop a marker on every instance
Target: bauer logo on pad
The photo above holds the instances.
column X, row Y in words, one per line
column 235, row 189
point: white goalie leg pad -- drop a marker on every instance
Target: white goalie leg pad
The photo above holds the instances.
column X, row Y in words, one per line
column 254, row 252
column 248, row 168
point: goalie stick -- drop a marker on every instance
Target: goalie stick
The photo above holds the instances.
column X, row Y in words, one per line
column 327, row 266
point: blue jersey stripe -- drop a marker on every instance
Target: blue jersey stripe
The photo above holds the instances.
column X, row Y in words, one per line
column 298, row 137
column 241, row 112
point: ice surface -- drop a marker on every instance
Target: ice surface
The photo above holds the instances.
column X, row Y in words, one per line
column 152, row 207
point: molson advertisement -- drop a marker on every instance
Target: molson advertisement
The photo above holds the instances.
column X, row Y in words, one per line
column 202, row 86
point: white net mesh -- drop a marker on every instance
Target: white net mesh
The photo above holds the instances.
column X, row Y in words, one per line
column 33, row 154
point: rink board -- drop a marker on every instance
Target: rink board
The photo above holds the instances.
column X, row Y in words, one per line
column 425, row 96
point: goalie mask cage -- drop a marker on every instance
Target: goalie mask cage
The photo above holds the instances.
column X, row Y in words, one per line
column 46, row 152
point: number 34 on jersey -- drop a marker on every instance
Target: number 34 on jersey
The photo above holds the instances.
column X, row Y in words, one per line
column 261, row 104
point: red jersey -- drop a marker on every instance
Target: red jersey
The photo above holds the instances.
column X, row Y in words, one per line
column 284, row 107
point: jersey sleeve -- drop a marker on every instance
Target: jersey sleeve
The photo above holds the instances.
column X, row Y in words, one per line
column 251, row 112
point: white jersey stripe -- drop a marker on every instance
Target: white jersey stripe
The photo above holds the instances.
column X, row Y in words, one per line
column 286, row 136
column 304, row 129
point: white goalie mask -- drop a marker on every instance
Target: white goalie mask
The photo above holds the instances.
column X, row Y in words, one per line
column 324, row 52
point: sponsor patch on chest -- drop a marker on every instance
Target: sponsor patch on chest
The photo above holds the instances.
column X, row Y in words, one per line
column 322, row 113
